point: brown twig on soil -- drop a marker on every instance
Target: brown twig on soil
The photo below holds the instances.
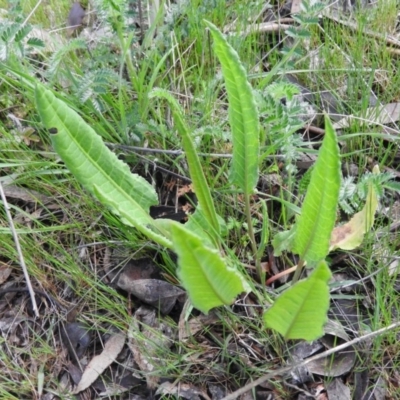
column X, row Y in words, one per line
column 327, row 353
column 19, row 250
column 271, row 26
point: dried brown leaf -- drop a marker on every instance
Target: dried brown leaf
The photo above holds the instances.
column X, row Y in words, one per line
column 99, row 363
column 148, row 336
column 5, row 272
column 154, row 292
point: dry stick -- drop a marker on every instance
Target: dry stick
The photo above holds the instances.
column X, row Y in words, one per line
column 289, row 368
column 180, row 152
column 21, row 257
column 390, row 39
column 271, row 26
column 263, row 27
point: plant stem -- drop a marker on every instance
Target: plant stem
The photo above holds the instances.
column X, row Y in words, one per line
column 250, row 229
column 298, row 272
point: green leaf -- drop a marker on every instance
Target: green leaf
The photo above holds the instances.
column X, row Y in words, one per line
column 300, row 312
column 199, row 181
column 209, row 281
column 283, row 241
column 318, row 213
column 96, row 167
column 243, row 114
column 198, row 224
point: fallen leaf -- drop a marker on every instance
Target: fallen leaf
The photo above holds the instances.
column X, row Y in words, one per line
column 183, row 390
column 76, row 337
column 350, row 235
column 337, row 390
column 337, row 364
column 5, row 272
column 387, row 114
column 157, row 293
column 148, row 337
column 99, row 363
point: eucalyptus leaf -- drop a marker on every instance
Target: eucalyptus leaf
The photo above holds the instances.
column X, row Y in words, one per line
column 350, row 235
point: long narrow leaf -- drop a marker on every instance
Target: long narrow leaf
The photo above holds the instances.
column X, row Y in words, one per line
column 196, row 172
column 243, row 114
column 318, row 213
column 96, row 167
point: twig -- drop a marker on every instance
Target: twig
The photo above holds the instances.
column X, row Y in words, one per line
column 390, row 39
column 161, row 151
column 21, row 257
column 133, row 149
column 289, row 368
column 271, row 26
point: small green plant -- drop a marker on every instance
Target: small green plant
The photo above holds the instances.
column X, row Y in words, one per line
column 210, row 277
column 15, row 45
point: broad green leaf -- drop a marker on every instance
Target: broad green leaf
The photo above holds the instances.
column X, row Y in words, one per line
column 243, row 114
column 199, row 181
column 96, row 167
column 300, row 312
column 350, row 235
column 318, row 213
column 209, row 281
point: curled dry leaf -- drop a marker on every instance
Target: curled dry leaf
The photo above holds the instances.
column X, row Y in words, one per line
column 75, row 17
column 99, row 363
column 350, row 235
column 154, row 292
column 5, row 272
column 339, row 363
column 332, row 366
column 184, row 391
